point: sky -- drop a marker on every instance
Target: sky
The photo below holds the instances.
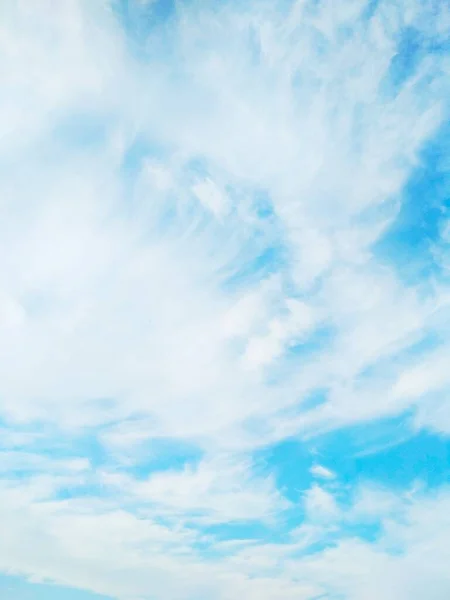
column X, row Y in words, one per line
column 224, row 300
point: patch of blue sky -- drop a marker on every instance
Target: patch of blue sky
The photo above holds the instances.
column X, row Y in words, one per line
column 369, row 10
column 390, row 453
column 61, row 445
column 263, row 205
column 409, row 243
column 244, row 531
column 424, row 457
column 88, row 446
column 290, row 462
column 147, row 26
column 37, row 438
column 417, row 348
column 13, row 434
column 163, row 454
column 315, row 342
column 279, row 531
column 368, row 532
column 313, row 400
column 395, row 459
column 42, row 450
column 141, row 149
column 411, row 49
column 18, row 588
column 261, row 252
column 139, row 18
column 198, row 166
column 257, row 267
column 80, row 130
column 81, row 492
column 149, row 455
column 143, row 459
column 390, row 456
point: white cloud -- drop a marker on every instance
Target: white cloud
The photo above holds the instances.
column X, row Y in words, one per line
column 93, row 543
column 219, row 490
column 129, row 313
column 141, row 332
column 322, row 472
column 210, row 196
column 320, row 504
column 406, row 561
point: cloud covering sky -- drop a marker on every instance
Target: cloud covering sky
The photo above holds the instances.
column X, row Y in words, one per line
column 224, row 300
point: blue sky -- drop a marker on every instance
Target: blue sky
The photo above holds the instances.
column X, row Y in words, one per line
column 224, row 300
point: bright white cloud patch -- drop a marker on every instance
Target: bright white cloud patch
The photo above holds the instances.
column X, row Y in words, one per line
column 322, row 472
column 223, row 261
